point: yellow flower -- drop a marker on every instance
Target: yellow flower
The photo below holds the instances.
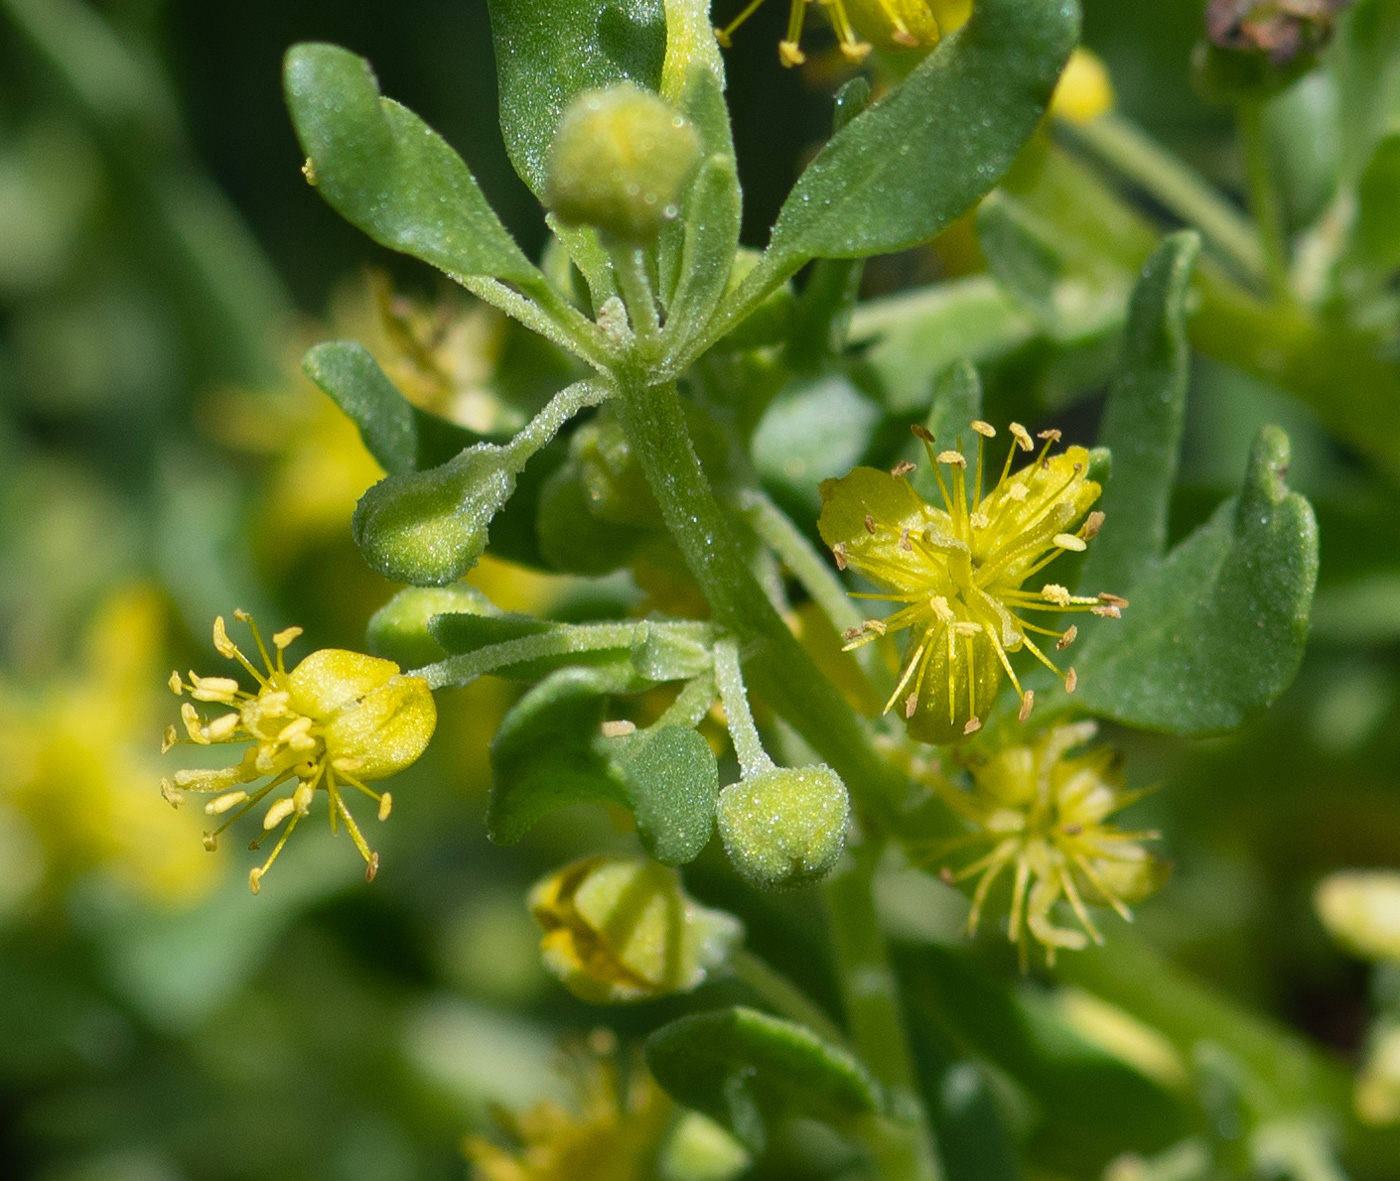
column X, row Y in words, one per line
column 620, row 929
column 337, row 719
column 610, row 1133
column 77, row 767
column 1044, row 816
column 959, row 572
column 1085, row 91
column 890, row 25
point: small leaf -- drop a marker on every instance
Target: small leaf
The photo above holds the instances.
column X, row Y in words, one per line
column 384, row 170
column 1216, row 631
column 902, row 170
column 543, row 756
column 1143, row 420
column 750, row 1071
column 546, row 53
column 401, row 437
column 672, row 782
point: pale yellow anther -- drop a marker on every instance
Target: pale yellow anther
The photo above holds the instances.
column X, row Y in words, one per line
column 979, row 520
column 1027, row 704
column 622, row 728
column 1107, row 611
column 177, row 686
column 1017, row 491
column 1071, row 680
column 855, row 51
column 1052, row 436
column 1071, row 633
column 874, row 625
column 1055, row 593
column 967, row 627
column 194, row 725
column 1070, row 542
column 171, row 794
column 347, row 764
column 221, row 689
column 386, row 805
column 1092, row 524
column 941, row 608
column 294, row 730
column 790, row 54
column 211, row 842
column 903, row 468
column 1112, row 600
column 973, row 725
column 985, row 429
column 222, row 644
column 302, row 797
column 168, row 739
column 221, row 729
column 278, row 813
column 953, row 458
column 255, row 879
column 1022, row 437
column 221, row 804
column 911, row 703
column 283, row 638
column 241, row 615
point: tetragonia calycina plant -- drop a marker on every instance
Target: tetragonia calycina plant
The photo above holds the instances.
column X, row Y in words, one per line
column 714, row 709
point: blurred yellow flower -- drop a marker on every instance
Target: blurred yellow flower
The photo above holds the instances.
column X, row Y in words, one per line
column 620, row 929
column 337, row 719
column 77, row 764
column 958, row 571
column 1044, row 815
column 1085, row 90
column 1361, row 910
column 612, row 1131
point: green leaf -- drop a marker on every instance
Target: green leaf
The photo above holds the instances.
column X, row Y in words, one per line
column 1375, row 244
column 672, row 782
column 1143, row 420
column 750, row 1071
column 546, row 53
column 401, row 437
column 1215, row 631
column 543, row 756
column 902, row 170
column 384, row 170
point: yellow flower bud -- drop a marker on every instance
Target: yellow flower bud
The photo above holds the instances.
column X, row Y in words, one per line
column 620, row 929
column 620, row 161
column 784, row 827
column 338, row 720
column 1361, row 911
column 1085, row 91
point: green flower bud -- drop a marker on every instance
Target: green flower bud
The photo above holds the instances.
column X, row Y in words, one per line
column 784, row 827
column 398, row 631
column 620, row 161
column 621, row 929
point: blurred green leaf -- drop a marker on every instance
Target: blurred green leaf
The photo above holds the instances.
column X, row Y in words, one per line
column 384, row 170
column 1216, row 630
column 548, row 53
column 543, row 756
column 750, row 1071
column 1375, row 244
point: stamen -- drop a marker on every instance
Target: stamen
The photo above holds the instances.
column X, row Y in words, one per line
column 386, row 805
column 953, row 458
column 176, row 687
column 1070, row 542
column 278, row 813
column 985, row 429
column 1068, row 638
column 1022, row 437
column 789, row 51
column 1071, row 680
column 1092, row 524
column 838, row 551
column 723, row 35
column 221, row 804
column 903, row 468
column 1027, row 704
column 168, row 739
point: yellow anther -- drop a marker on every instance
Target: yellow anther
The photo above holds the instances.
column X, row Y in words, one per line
column 222, row 644
column 1056, row 594
column 985, row 429
column 1071, row 633
column 953, row 458
column 176, row 685
column 283, row 638
column 221, row 804
column 1070, row 542
column 168, row 739
column 386, row 805
column 1022, row 437
column 278, row 813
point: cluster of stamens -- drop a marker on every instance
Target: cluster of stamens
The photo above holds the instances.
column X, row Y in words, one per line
column 1044, row 815
column 853, row 47
column 958, row 573
column 289, row 748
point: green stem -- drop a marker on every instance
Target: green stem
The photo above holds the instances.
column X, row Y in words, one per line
column 1137, row 158
column 783, row 996
column 871, row 997
column 729, row 677
column 1263, row 197
column 629, row 265
column 777, row 666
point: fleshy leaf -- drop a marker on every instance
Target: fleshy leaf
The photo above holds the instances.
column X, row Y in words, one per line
column 1143, row 420
column 384, row 170
column 672, row 782
column 546, row 53
column 400, row 436
column 1216, row 631
column 749, row 1071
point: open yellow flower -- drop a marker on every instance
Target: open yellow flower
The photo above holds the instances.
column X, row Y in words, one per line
column 338, row 719
column 1044, row 814
column 890, row 25
column 959, row 571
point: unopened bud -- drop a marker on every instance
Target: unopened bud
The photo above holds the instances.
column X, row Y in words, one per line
column 620, row 161
column 785, row 827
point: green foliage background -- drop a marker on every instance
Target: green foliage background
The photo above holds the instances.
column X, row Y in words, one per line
column 155, row 232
